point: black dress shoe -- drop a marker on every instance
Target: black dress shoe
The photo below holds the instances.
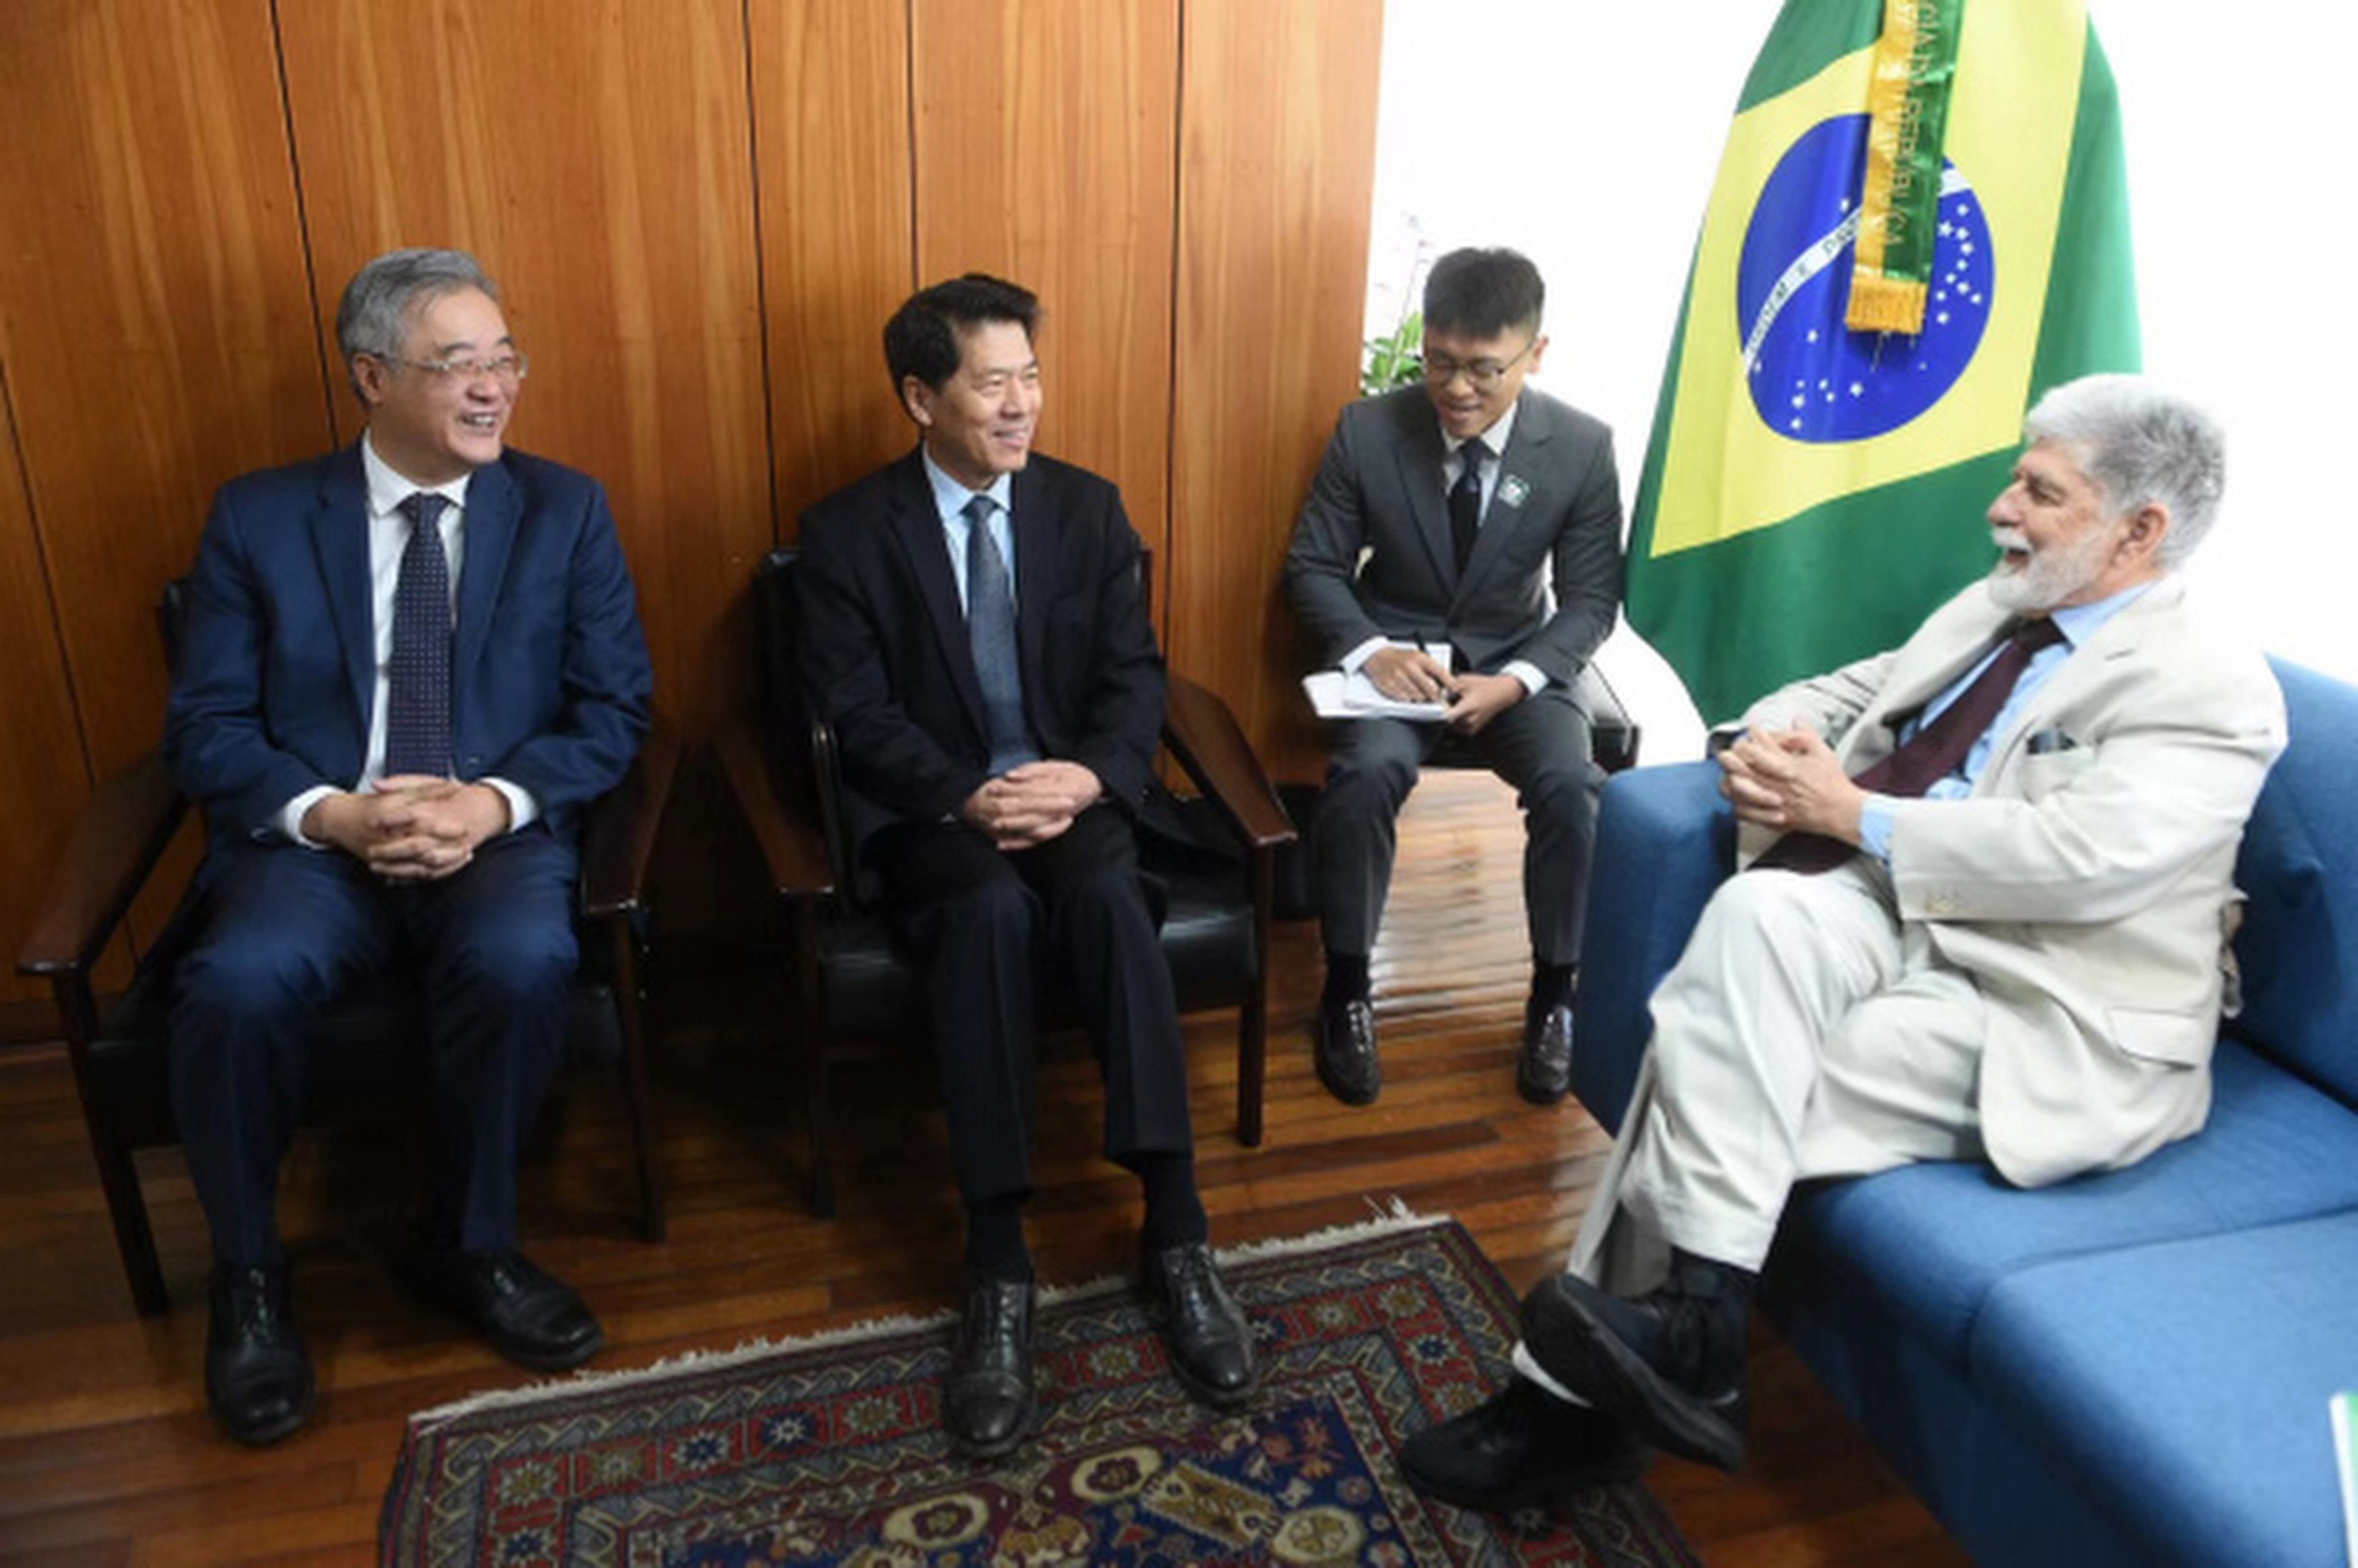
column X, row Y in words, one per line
column 1202, row 1326
column 1671, row 1363
column 258, row 1376
column 1346, row 1051
column 1520, row 1448
column 1544, row 1067
column 987, row 1402
column 528, row 1316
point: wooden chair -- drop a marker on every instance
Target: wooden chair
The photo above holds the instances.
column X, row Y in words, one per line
column 851, row 981
column 120, row 1053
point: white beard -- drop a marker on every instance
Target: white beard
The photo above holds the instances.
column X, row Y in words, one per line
column 2051, row 576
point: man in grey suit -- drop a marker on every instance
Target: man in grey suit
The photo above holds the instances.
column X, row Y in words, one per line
column 1461, row 545
column 2000, row 936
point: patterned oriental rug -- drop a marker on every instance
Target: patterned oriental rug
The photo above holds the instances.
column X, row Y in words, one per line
column 831, row 1451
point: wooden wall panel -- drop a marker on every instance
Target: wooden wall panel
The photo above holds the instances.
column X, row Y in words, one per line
column 831, row 142
column 42, row 777
column 597, row 160
column 152, row 314
column 1277, row 171
column 1045, row 150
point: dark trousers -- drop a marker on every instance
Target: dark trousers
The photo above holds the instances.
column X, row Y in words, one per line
column 282, row 931
column 991, row 929
column 1541, row 746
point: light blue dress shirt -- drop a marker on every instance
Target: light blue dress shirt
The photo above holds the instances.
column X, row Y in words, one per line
column 949, row 500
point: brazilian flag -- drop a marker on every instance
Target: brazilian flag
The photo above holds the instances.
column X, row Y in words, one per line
column 1812, row 490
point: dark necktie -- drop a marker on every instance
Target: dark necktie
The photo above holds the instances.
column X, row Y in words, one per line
column 1932, row 753
column 417, row 703
column 1466, row 503
column 991, row 634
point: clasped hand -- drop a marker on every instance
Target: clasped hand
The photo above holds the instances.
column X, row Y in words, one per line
column 1411, row 675
column 410, row 828
column 1029, row 805
column 1790, row 780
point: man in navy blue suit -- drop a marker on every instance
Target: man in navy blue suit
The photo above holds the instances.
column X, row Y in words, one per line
column 406, row 668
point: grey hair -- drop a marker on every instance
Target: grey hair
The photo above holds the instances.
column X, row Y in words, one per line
column 2140, row 443
column 373, row 317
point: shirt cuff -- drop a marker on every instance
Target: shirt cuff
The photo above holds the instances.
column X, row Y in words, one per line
column 1875, row 826
column 523, row 810
column 1534, row 678
column 290, row 815
column 1361, row 655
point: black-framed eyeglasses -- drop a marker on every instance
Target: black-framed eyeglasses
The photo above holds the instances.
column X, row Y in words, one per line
column 1484, row 375
column 507, row 369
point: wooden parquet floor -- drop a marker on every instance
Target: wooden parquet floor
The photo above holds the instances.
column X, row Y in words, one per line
column 107, row 1456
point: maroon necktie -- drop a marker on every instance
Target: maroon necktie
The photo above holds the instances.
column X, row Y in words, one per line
column 1929, row 755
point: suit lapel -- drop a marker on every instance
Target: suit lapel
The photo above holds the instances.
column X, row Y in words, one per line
column 495, row 511
column 340, row 535
column 916, row 529
column 1515, row 496
column 1033, row 524
column 1419, row 457
column 2118, row 638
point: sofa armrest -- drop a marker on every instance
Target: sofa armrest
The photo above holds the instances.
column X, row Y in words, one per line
column 1665, row 839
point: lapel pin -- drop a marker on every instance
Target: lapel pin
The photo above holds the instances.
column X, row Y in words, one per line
column 1511, row 491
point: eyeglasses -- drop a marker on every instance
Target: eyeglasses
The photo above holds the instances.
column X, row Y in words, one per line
column 1484, row 375
column 506, row 369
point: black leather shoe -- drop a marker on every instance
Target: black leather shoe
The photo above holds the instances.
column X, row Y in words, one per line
column 1346, row 1051
column 527, row 1315
column 258, row 1376
column 1671, row 1363
column 1544, row 1067
column 1522, row 1447
column 1202, row 1326
column 987, row 1402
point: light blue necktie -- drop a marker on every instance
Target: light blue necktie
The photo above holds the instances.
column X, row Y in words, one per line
column 991, row 634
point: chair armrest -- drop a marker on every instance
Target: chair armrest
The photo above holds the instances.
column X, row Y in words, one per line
column 618, row 833
column 792, row 845
column 1665, row 839
column 1204, row 737
column 116, row 841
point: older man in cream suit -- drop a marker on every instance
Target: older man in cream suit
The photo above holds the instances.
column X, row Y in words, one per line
column 1986, row 918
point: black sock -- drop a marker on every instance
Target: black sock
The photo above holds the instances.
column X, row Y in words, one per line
column 994, row 1240
column 1347, row 978
column 1552, row 983
column 1175, row 1214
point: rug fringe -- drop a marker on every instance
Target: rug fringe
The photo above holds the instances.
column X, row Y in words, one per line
column 425, row 1420
column 1385, row 1217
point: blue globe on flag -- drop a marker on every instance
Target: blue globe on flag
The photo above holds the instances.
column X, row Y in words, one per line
column 1810, row 378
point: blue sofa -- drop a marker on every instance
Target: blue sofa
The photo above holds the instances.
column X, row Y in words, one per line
column 2130, row 1368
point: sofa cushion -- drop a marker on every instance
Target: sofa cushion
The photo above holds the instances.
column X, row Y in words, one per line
column 1931, row 1241
column 2299, row 946
column 2185, row 1385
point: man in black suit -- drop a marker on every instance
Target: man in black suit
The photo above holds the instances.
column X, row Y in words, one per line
column 407, row 666
column 997, row 726
column 1481, row 519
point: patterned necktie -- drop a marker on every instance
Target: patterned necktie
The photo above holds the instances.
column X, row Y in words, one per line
column 991, row 634
column 1466, row 503
column 417, row 707
column 1932, row 753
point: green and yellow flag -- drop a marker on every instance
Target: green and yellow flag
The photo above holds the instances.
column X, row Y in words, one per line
column 1920, row 225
